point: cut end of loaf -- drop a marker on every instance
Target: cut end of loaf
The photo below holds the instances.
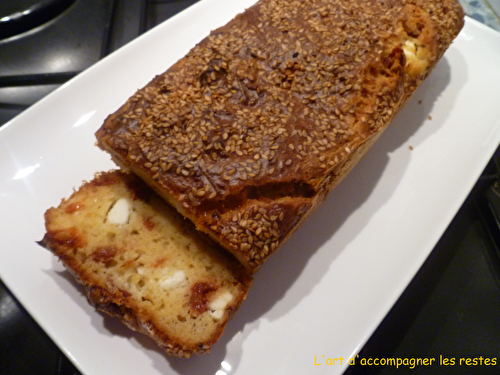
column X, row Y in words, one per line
column 143, row 263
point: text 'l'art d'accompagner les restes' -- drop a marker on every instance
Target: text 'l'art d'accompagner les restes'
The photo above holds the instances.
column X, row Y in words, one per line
column 408, row 362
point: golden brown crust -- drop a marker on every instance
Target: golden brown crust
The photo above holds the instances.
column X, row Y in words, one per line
column 258, row 122
column 129, row 269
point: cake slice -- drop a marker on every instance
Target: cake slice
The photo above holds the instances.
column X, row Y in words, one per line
column 143, row 263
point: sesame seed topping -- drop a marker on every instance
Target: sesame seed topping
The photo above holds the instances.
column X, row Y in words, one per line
column 280, row 96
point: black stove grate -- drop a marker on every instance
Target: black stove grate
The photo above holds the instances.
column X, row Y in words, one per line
column 20, row 16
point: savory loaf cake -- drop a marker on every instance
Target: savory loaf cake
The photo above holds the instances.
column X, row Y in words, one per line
column 249, row 131
column 143, row 263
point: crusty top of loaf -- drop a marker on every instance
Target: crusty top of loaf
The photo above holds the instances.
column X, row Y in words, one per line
column 254, row 125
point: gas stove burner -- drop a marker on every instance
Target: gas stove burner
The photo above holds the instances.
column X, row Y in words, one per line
column 19, row 16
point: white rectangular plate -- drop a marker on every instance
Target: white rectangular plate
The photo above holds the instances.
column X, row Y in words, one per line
column 326, row 291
